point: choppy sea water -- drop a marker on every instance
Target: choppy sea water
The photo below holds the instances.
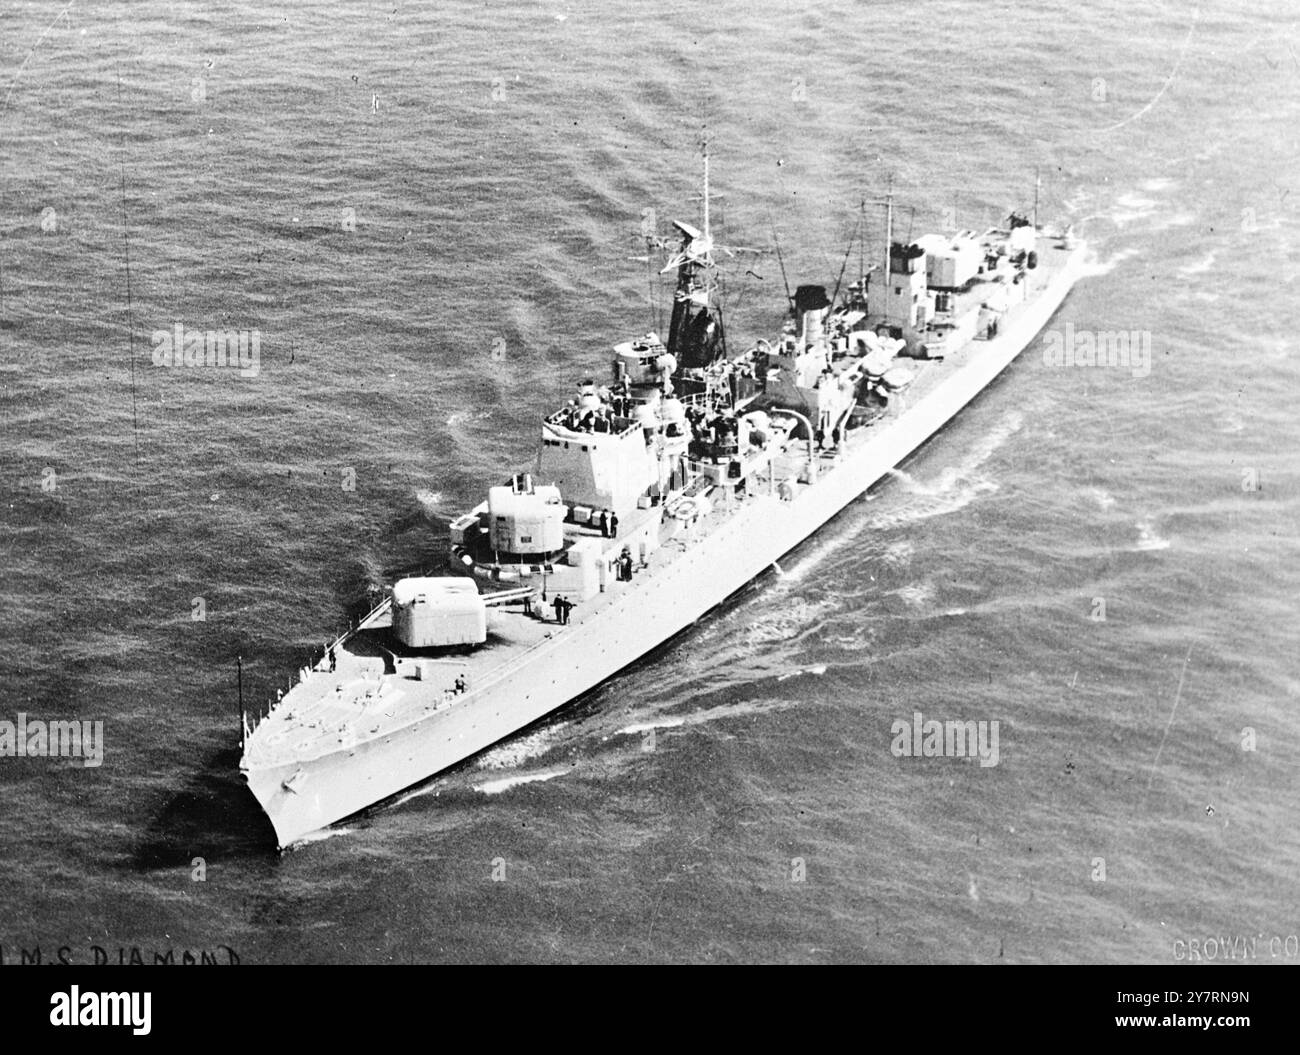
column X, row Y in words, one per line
column 388, row 194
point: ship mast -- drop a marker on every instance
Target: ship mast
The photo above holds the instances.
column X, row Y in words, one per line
column 889, row 234
column 862, row 249
column 707, row 236
column 695, row 334
column 888, row 203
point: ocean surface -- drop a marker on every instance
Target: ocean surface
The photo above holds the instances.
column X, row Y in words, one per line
column 432, row 216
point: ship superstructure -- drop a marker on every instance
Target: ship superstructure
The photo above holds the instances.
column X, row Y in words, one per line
column 657, row 492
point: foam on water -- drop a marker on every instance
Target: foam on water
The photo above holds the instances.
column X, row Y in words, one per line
column 320, row 837
column 504, row 784
column 817, row 670
column 932, row 503
column 646, row 726
column 512, row 753
column 788, row 620
column 432, row 788
column 463, row 417
column 956, row 487
column 742, row 709
column 1132, row 207
column 1093, row 267
column 898, row 552
column 860, row 640
column 916, row 595
column 825, row 545
column 1101, row 496
column 1148, row 539
column 1078, row 200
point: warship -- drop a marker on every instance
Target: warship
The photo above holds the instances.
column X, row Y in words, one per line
column 657, row 492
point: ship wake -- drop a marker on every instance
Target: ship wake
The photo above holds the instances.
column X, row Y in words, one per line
column 957, row 486
column 517, row 751
column 725, row 711
column 504, row 784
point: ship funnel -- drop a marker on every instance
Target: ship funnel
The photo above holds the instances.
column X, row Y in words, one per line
column 810, row 306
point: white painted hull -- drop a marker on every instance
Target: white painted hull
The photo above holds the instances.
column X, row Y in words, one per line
column 576, row 660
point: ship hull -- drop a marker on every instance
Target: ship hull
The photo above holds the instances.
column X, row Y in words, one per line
column 303, row 797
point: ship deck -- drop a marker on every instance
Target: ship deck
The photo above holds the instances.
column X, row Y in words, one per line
column 379, row 685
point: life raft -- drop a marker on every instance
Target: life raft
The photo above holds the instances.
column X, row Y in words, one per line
column 688, row 508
